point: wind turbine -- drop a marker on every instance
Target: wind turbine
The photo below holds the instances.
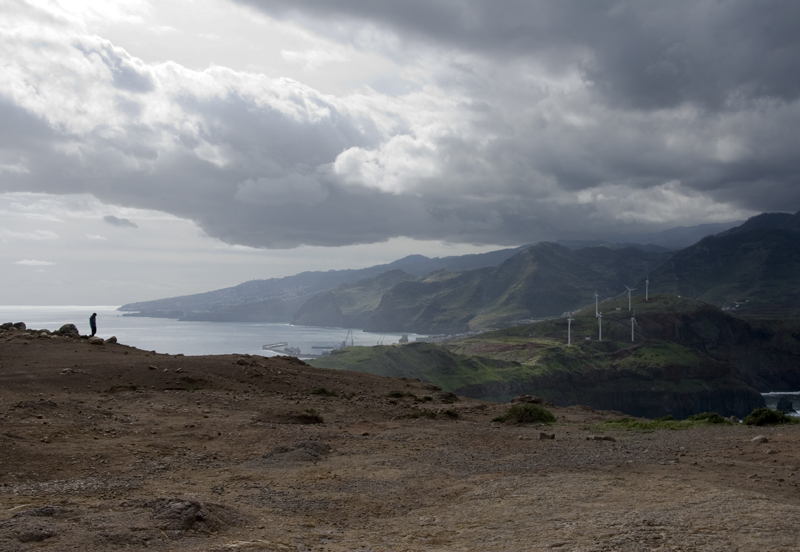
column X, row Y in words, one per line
column 595, row 303
column 600, row 325
column 646, row 288
column 633, row 321
column 629, row 296
column 569, row 328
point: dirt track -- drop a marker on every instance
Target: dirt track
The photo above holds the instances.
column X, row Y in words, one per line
column 105, row 447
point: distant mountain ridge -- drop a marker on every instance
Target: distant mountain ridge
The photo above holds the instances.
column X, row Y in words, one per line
column 279, row 299
column 753, row 269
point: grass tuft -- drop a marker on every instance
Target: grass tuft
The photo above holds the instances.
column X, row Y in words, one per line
column 423, row 414
column 709, row 418
column 324, row 392
column 526, row 413
column 401, row 394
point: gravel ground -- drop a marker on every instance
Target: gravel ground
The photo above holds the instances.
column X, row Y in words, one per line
column 106, row 447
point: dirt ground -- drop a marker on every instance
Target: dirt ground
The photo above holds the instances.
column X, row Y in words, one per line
column 106, row 447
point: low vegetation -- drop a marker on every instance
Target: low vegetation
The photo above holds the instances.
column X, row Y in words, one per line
column 324, row 392
column 666, row 422
column 767, row 416
column 525, row 414
column 710, row 418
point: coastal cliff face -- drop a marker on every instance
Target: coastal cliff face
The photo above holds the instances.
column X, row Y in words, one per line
column 765, row 354
column 650, row 381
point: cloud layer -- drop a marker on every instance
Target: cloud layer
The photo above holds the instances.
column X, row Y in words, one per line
column 505, row 124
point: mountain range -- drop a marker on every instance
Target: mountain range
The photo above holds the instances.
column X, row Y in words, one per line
column 751, row 269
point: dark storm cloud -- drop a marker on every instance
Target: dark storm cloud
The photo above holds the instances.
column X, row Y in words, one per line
column 119, row 222
column 546, row 120
column 643, row 54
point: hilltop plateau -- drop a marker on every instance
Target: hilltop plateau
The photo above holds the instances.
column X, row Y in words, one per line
column 106, row 447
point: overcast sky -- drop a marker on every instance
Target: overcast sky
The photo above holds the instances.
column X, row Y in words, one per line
column 159, row 148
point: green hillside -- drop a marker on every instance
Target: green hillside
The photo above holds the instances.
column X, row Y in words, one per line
column 544, row 280
column 752, row 270
column 686, row 357
column 348, row 305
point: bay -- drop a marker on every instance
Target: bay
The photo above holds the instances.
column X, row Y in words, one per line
column 190, row 338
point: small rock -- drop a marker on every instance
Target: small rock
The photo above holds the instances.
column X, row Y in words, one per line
column 112, row 339
column 35, row 535
column 151, row 367
column 531, row 399
column 96, row 340
column 734, row 419
column 543, row 435
column 601, row 438
column 44, row 334
column 70, row 330
column 445, row 397
column 242, row 362
column 770, row 451
column 758, row 439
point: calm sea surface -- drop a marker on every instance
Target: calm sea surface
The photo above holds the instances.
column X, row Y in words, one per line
column 190, row 338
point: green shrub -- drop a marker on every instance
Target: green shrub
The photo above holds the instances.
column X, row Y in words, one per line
column 634, row 424
column 423, row 414
column 667, row 418
column 400, row 395
column 324, row 392
column 709, row 418
column 526, row 413
column 767, row 416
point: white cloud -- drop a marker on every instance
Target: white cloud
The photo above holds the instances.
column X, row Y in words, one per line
column 466, row 137
column 314, row 59
column 7, row 234
column 32, row 262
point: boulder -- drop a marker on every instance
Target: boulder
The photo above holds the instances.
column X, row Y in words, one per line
column 96, row 340
column 69, row 330
column 6, row 326
column 20, row 325
column 785, row 405
column 112, row 339
column 758, row 439
column 531, row 399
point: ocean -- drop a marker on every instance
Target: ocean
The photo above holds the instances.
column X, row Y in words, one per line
column 190, row 338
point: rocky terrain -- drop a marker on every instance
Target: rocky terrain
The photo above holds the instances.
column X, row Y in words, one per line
column 106, row 447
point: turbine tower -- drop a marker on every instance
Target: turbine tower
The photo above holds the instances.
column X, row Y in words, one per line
column 646, row 289
column 595, row 303
column 600, row 326
column 633, row 321
column 629, row 296
column 569, row 328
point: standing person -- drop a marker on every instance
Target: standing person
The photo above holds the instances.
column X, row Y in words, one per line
column 93, row 323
